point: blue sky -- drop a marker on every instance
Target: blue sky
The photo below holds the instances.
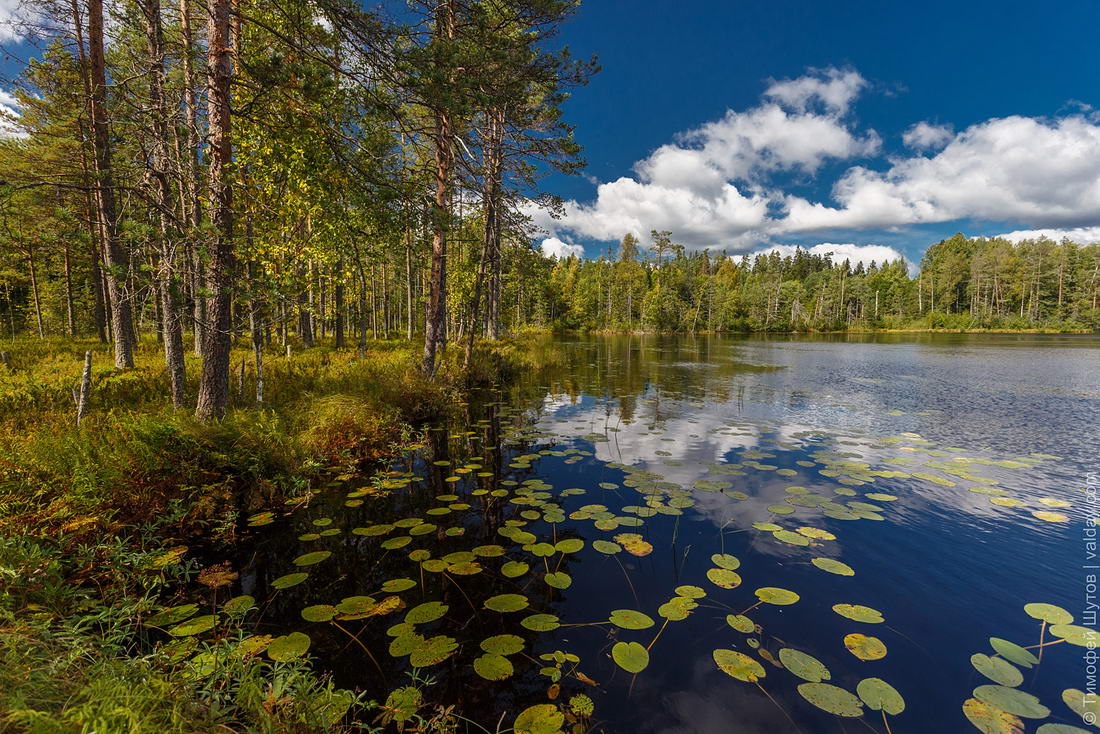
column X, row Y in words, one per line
column 1006, row 89
column 748, row 124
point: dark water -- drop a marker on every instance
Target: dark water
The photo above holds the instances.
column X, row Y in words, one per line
column 694, row 440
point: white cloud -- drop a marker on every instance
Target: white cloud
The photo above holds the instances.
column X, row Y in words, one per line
column 834, row 88
column 1034, row 171
column 9, row 20
column 925, row 136
column 855, row 254
column 9, row 113
column 1080, row 235
column 553, row 247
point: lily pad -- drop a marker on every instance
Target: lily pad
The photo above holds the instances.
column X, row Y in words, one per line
column 725, row 560
column 502, row 644
column 1048, row 613
column 403, row 703
column 493, row 667
column 827, row 697
column 834, row 566
column 395, row 586
column 310, row 559
column 865, row 647
column 777, row 596
column 426, row 612
column 195, row 626
column 606, row 547
column 569, row 545
column 291, row 579
column 288, row 647
column 880, row 696
column 1012, row 700
column 724, row 578
column 630, row 656
column 859, row 613
column 319, row 613
column 1087, row 706
column 997, row 670
column 172, row 615
column 806, row 667
column 741, row 623
column 540, row 623
column 738, row 665
column 558, row 580
column 432, row 651
column 506, row 603
column 628, row 619
column 1012, row 652
column 1075, row 634
column 634, row 544
column 990, row 719
column 543, row 718
column 514, row 569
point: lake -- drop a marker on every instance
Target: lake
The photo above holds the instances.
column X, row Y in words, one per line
column 720, row 534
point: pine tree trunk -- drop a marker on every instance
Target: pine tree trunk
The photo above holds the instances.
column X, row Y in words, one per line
column 214, row 379
column 118, row 260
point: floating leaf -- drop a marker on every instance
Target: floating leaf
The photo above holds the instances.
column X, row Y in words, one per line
column 691, row 592
column 540, row 623
column 582, row 705
column 1075, row 635
column 880, row 696
column 403, row 703
column 493, row 667
column 634, row 544
column 606, row 547
column 859, row 613
column 502, row 644
column 309, row 559
column 806, row 667
column 172, row 615
column 630, row 656
column 506, row 603
column 1060, row 729
column 779, row 597
column 724, row 578
column 1012, row 700
column 628, row 619
column 569, row 545
column 990, row 719
column 677, row 609
column 514, row 569
column 865, row 647
column 432, row 651
column 738, row 665
column 791, row 538
column 1048, row 613
column 426, row 612
column 395, row 543
column 1048, row 516
column 558, row 580
column 817, row 534
column 997, row 670
column 291, row 579
column 741, row 623
column 395, row 586
column 543, row 718
column 1013, row 652
column 830, row 698
column 319, row 613
column 725, row 560
column 195, row 626
column 288, row 647
column 833, row 566
column 238, row 606
column 466, row 568
column 1087, row 706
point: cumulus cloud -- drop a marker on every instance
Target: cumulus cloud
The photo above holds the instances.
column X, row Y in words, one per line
column 1080, row 235
column 855, row 254
column 925, row 136
column 727, row 183
column 9, row 114
column 553, row 247
column 9, row 20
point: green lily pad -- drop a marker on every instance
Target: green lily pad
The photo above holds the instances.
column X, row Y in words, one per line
column 628, row 619
column 403, row 645
column 543, row 718
column 395, row 586
column 195, row 626
column 558, row 580
column 833, row 566
column 319, row 613
column 865, row 647
column 288, row 647
column 1012, row 700
column 1087, row 706
column 493, row 667
column 738, row 665
column 741, row 623
column 997, row 670
column 1060, row 729
column 990, row 719
column 791, row 538
column 836, row 701
column 1075, row 634
column 394, row 543
column 309, row 559
column 691, row 592
column 403, row 703
column 569, row 545
column 859, row 613
column 677, row 608
column 724, row 578
column 432, row 651
column 630, row 656
column 777, row 596
column 725, row 560
column 502, row 644
column 606, row 547
column 880, row 696
column 238, row 606
column 172, row 615
column 514, row 569
column 1012, row 652
column 506, row 603
column 540, row 623
column 426, row 612
column 1048, row 613
column 806, row 667
column 291, row 579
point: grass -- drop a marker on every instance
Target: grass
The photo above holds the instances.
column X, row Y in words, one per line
column 91, row 518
